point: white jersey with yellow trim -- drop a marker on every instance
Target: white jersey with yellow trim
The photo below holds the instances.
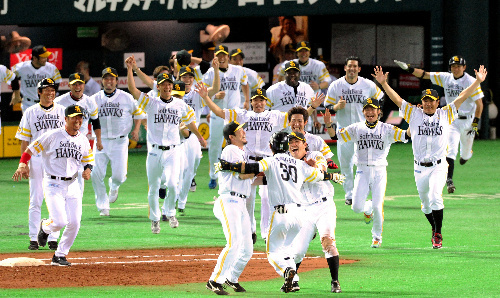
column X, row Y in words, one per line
column 283, row 97
column 115, row 113
column 164, row 119
column 371, row 144
column 62, row 154
column 230, row 82
column 37, row 120
column 453, row 87
column 429, row 134
column 260, row 127
column 89, row 108
column 313, row 70
column 354, row 95
column 317, row 143
column 285, row 176
column 30, row 76
column 230, row 181
column 312, row 191
column 6, row 76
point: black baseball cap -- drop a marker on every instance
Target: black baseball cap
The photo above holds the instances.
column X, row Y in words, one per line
column 47, row 82
column 303, row 45
column 290, row 48
column 179, row 88
column 457, row 60
column 236, row 52
column 73, row 110
column 186, row 70
column 221, row 49
column 291, row 65
column 183, row 58
column 231, row 128
column 259, row 93
column 373, row 102
column 162, row 77
column 296, row 135
column 431, row 93
column 40, row 51
column 109, row 70
column 209, row 46
column 76, row 77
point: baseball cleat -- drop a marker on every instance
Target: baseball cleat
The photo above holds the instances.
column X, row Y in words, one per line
column 368, row 218
column 42, row 236
column 254, row 238
column 193, row 186
column 104, row 212
column 181, row 212
column 235, row 286
column 212, row 184
column 376, row 243
column 336, row 287
column 113, row 195
column 216, row 288
column 437, row 241
column 450, row 185
column 463, row 161
column 33, row 245
column 53, row 245
column 295, row 287
column 155, row 226
column 162, row 193
column 348, row 201
column 289, row 275
column 174, row 223
column 164, row 217
column 59, row 261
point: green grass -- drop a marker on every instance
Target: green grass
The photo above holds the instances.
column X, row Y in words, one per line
column 405, row 265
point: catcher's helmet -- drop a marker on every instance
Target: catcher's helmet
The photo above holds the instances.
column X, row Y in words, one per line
column 456, row 60
column 47, row 82
column 279, row 142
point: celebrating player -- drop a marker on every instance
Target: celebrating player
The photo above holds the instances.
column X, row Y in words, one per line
column 464, row 128
column 63, row 151
column 345, row 96
column 430, row 129
column 38, row 119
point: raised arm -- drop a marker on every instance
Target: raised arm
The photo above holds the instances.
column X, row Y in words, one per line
column 480, row 77
column 203, row 92
column 216, row 82
column 144, row 77
column 316, row 101
column 382, row 80
column 136, row 93
column 419, row 73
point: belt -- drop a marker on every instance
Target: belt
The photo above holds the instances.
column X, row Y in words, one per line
column 428, row 164
column 280, row 209
column 237, row 195
column 318, row 201
column 62, row 178
column 464, row 117
column 120, row 137
column 164, row 148
column 256, row 158
column 33, row 100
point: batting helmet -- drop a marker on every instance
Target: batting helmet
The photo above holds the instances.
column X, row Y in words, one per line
column 47, row 82
column 279, row 142
column 456, row 60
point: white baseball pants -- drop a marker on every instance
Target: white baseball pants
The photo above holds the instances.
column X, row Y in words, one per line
column 345, row 153
column 215, row 142
column 430, row 182
column 460, row 133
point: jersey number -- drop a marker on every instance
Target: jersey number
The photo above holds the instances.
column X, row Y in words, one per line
column 289, row 171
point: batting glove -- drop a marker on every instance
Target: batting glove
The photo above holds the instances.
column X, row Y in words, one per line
column 475, row 122
column 401, row 64
column 332, row 165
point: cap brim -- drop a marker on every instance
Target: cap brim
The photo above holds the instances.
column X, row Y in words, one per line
column 259, row 95
column 163, row 80
column 238, row 53
column 303, row 48
column 181, row 93
column 186, row 72
column 292, row 67
column 371, row 105
column 110, row 73
column 294, row 136
column 429, row 96
column 221, row 51
column 243, row 125
column 45, row 55
column 75, row 114
column 76, row 80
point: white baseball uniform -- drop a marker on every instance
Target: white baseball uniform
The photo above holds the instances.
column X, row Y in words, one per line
column 354, row 95
column 461, row 129
column 312, row 70
column 285, row 176
column 62, row 156
column 230, row 209
column 115, row 116
column 163, row 138
column 6, row 76
column 429, row 136
column 317, row 143
column 371, row 147
column 36, row 121
column 260, row 127
column 254, row 82
column 29, row 78
column 230, row 82
column 283, row 97
column 91, row 87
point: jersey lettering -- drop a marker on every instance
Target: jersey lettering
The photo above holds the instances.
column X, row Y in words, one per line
column 375, row 144
column 167, row 116
column 307, row 76
column 32, row 80
column 453, row 90
column 69, row 150
column 290, row 99
column 229, row 83
column 353, row 96
column 259, row 123
column 48, row 122
column 110, row 109
column 430, row 129
column 289, row 172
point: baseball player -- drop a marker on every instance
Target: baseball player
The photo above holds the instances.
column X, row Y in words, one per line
column 318, row 213
column 76, row 96
column 464, row 128
column 116, row 109
column 430, row 129
column 63, row 151
column 254, row 80
column 38, row 119
column 345, row 96
column 29, row 73
column 183, row 59
column 372, row 140
column 285, row 175
column 6, row 76
column 289, row 55
column 91, row 86
column 232, row 78
column 230, row 209
column 164, row 116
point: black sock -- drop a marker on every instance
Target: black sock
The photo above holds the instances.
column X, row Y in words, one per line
column 430, row 218
column 297, row 267
column 333, row 264
column 438, row 219
column 451, row 167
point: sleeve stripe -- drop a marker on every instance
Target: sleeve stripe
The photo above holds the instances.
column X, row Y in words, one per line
column 347, row 134
column 331, row 100
column 94, row 113
column 343, row 137
column 477, row 93
column 88, row 161
column 312, row 176
column 285, row 124
column 26, row 135
column 264, row 165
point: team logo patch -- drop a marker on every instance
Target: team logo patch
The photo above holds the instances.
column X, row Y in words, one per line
column 188, row 69
column 455, row 58
column 49, row 80
column 318, row 157
column 369, row 100
column 259, row 91
column 428, row 91
column 109, row 70
column 303, row 44
column 221, row 48
column 77, row 108
column 292, row 63
column 44, row 49
column 177, row 87
column 77, row 76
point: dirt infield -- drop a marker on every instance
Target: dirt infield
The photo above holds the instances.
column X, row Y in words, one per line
column 135, row 267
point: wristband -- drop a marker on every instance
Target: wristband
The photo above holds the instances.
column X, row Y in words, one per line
column 476, row 120
column 25, row 157
column 410, row 69
column 422, row 76
column 330, row 126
